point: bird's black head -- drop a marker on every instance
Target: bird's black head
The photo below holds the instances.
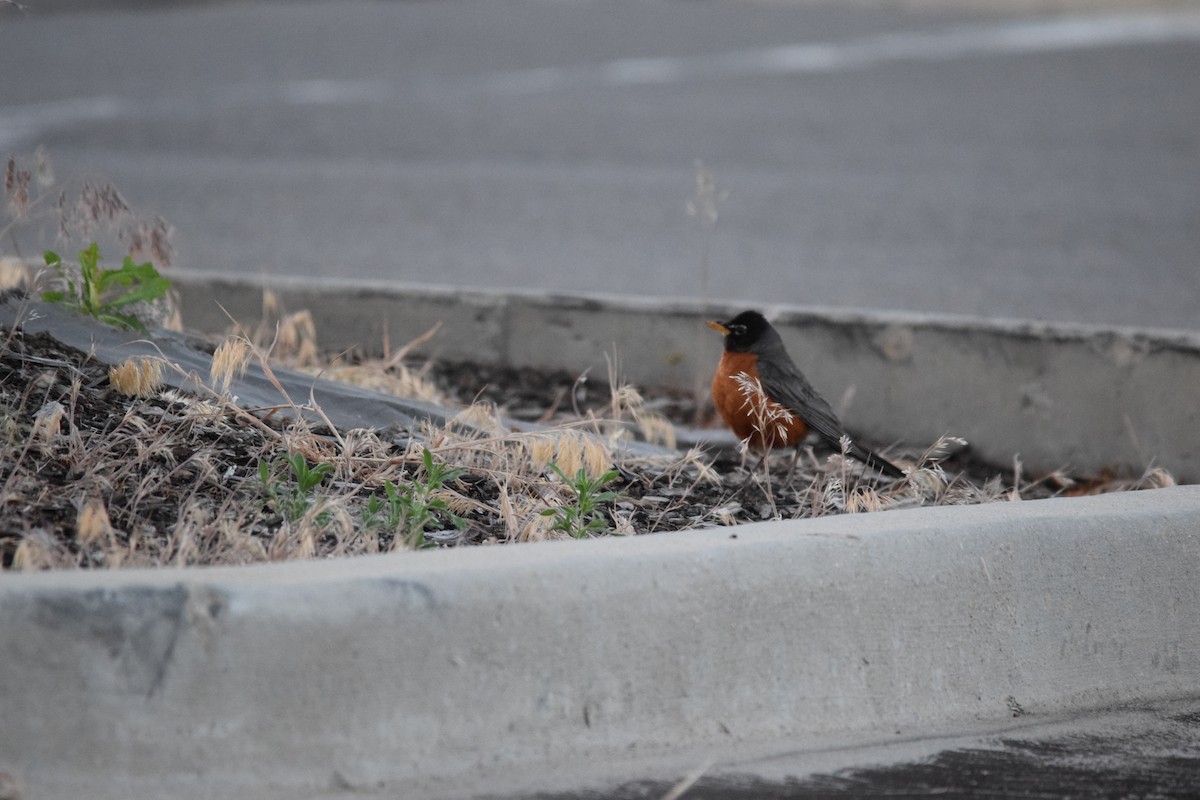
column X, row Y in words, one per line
column 745, row 332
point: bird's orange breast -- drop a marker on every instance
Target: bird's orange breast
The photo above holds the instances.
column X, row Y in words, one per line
column 746, row 408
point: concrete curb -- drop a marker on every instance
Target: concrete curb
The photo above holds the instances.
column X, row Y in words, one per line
column 1058, row 396
column 467, row 671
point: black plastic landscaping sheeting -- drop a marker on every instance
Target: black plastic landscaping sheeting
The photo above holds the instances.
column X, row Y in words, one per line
column 345, row 406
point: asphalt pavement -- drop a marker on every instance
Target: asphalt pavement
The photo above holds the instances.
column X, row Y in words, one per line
column 1004, row 160
column 1134, row 752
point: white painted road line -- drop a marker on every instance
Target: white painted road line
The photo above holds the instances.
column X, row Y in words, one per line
column 1066, row 33
column 27, row 122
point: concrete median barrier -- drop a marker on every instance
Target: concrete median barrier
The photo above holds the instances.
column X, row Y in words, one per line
column 452, row 673
column 1056, row 396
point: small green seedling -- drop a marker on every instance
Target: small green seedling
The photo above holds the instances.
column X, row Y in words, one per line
column 101, row 292
column 292, row 498
column 416, row 509
column 582, row 516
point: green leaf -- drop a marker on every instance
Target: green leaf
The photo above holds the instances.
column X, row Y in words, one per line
column 150, row 284
column 89, row 257
column 114, row 277
column 143, row 283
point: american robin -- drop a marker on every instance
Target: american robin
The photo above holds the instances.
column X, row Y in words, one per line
column 788, row 407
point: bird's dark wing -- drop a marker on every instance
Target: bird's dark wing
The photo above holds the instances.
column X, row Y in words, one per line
column 785, row 384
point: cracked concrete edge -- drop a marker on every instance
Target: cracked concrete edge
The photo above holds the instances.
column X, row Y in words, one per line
column 484, row 670
column 1081, row 397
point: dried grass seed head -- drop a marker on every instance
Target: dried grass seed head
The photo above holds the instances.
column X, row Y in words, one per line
column 626, row 398
column 150, row 240
column 38, row 550
column 398, row 381
column 16, row 188
column 596, row 458
column 928, row 481
column 296, row 339
column 767, row 414
column 101, row 204
column 47, row 422
column 1157, row 478
column 575, row 450
column 139, row 376
column 229, row 361
column 864, row 499
column 92, row 524
column 540, row 449
column 15, row 273
column 478, row 418
column 696, row 459
column 654, row 427
column 568, row 455
column 755, row 398
column 657, row 429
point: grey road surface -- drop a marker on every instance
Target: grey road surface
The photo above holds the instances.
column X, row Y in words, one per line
column 1151, row 751
column 946, row 157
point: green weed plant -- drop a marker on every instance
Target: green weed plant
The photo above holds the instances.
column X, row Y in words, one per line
column 581, row 516
column 417, row 508
column 292, row 495
column 102, row 293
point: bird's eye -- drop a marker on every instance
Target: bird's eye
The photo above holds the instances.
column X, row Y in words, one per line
column 737, row 330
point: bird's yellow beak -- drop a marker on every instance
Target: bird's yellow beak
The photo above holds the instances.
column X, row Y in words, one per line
column 718, row 327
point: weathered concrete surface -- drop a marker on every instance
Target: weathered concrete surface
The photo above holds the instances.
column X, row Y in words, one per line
column 1056, row 395
column 448, row 673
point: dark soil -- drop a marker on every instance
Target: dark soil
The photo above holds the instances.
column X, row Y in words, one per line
column 539, row 395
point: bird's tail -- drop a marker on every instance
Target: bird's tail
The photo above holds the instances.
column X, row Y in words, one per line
column 875, row 461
